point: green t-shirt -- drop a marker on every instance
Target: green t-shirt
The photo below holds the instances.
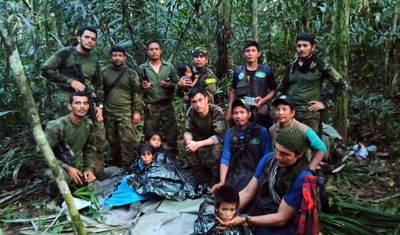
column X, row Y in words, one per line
column 125, row 98
column 79, row 138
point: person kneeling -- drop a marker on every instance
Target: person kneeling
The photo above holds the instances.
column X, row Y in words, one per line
column 276, row 187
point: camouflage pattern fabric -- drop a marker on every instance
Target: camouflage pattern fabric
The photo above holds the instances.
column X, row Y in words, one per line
column 161, row 117
column 121, row 136
column 207, row 80
column 308, row 118
column 204, row 162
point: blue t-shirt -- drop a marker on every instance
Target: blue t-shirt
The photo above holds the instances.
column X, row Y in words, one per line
column 266, row 144
column 294, row 196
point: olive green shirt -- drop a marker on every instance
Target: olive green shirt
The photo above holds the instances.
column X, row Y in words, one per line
column 58, row 68
column 213, row 125
column 156, row 93
column 304, row 87
column 79, row 138
column 125, row 98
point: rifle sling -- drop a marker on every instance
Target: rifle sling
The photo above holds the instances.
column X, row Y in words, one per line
column 106, row 92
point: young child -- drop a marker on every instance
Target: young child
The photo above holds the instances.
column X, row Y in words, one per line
column 147, row 154
column 185, row 70
column 226, row 203
column 153, row 138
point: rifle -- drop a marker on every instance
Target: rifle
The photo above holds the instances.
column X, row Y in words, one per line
column 89, row 92
column 63, row 153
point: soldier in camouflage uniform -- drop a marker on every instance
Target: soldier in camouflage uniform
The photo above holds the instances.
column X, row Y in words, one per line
column 58, row 68
column 76, row 131
column 303, row 81
column 202, row 141
column 159, row 80
column 204, row 76
column 122, row 107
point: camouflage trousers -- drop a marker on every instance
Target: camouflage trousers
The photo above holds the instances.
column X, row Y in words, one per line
column 99, row 130
column 121, row 136
column 161, row 118
column 310, row 119
column 204, row 162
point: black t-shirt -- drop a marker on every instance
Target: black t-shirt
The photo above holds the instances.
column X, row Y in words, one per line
column 250, row 75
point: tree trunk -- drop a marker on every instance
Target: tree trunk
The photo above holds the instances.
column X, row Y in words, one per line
column 224, row 35
column 11, row 52
column 254, row 28
column 340, row 63
column 391, row 74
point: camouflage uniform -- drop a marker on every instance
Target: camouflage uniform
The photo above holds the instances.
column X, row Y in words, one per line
column 206, row 77
column 80, row 139
column 304, row 84
column 159, row 114
column 205, row 158
column 120, row 104
column 58, row 69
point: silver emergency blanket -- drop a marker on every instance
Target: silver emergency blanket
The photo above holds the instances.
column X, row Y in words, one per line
column 162, row 178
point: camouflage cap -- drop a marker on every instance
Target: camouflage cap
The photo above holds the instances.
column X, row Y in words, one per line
column 200, row 51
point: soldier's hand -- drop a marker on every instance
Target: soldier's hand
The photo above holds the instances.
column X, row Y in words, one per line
column 316, row 106
column 77, row 86
column 89, row 176
column 146, row 85
column 165, row 84
column 99, row 114
column 192, row 146
column 75, row 175
column 184, row 82
column 136, row 118
column 259, row 102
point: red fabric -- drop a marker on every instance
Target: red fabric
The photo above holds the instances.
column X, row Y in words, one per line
column 309, row 208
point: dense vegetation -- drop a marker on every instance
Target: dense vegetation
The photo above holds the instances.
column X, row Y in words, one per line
column 361, row 38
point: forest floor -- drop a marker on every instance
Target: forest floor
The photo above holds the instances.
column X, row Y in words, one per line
column 24, row 203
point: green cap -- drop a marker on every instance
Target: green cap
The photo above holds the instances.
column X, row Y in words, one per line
column 200, row 51
column 293, row 139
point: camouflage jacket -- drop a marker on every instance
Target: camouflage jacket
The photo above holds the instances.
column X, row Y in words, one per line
column 58, row 68
column 202, row 128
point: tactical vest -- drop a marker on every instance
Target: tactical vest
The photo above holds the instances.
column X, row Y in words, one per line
column 264, row 203
column 245, row 152
column 258, row 85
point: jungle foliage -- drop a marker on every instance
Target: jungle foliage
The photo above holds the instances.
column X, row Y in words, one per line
column 361, row 38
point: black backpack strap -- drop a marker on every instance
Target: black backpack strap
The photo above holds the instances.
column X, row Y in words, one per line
column 323, row 195
column 107, row 91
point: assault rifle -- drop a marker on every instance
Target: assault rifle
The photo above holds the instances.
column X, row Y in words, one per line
column 63, row 153
column 89, row 92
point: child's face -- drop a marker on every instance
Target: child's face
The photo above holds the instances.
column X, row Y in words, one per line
column 226, row 211
column 146, row 157
column 155, row 141
column 188, row 72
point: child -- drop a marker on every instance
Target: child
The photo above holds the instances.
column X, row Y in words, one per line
column 147, row 154
column 185, row 70
column 153, row 138
column 226, row 203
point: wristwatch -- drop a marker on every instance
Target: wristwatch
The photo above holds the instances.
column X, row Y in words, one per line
column 100, row 105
